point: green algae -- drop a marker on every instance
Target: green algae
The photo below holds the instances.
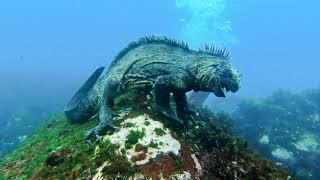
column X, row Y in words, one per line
column 120, row 166
column 210, row 138
column 58, row 136
column 153, row 145
column 159, row 131
column 133, row 138
column 135, row 98
column 128, row 125
column 147, row 123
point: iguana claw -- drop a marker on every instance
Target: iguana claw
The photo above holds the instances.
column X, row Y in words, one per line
column 95, row 134
column 171, row 115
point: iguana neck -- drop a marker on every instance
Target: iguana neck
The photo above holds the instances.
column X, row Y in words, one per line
column 203, row 72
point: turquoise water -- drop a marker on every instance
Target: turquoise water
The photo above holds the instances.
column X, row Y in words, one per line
column 49, row 48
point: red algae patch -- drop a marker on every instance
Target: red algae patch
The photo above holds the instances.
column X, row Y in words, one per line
column 138, row 157
column 164, row 167
column 188, row 162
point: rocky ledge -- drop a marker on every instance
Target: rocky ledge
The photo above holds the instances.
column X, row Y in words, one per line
column 146, row 146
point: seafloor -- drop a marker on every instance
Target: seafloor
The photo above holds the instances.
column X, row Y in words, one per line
column 147, row 145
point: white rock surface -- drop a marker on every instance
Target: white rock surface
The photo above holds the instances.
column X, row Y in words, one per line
column 282, row 153
column 196, row 161
column 99, row 175
column 264, row 139
column 184, row 176
column 166, row 143
column 309, row 143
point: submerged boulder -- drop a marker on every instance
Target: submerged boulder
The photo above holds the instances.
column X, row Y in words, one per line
column 284, row 127
column 146, row 145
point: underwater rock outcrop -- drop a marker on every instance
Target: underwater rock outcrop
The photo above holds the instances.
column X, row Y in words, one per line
column 285, row 127
column 146, row 145
column 16, row 126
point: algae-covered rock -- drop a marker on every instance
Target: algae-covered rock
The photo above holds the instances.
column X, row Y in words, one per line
column 282, row 153
column 309, row 143
column 284, row 127
column 146, row 145
column 16, row 125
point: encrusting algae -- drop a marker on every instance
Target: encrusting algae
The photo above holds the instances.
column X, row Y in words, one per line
column 146, row 145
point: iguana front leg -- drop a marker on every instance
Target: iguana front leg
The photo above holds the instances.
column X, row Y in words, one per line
column 164, row 85
column 182, row 107
column 106, row 112
column 181, row 104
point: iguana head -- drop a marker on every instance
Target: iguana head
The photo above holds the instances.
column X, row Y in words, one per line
column 218, row 76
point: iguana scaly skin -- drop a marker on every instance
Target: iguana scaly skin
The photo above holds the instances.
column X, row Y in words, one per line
column 163, row 64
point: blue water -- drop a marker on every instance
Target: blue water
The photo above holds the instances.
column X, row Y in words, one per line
column 274, row 44
column 49, row 48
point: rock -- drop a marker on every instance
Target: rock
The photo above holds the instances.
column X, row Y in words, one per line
column 282, row 153
column 264, row 139
column 153, row 135
column 308, row 142
column 146, row 145
column 54, row 159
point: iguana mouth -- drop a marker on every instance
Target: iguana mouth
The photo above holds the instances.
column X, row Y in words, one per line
column 221, row 92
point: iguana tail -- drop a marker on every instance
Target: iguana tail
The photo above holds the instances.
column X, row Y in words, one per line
column 79, row 108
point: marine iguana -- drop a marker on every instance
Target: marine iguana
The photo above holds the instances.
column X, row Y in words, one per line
column 163, row 64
